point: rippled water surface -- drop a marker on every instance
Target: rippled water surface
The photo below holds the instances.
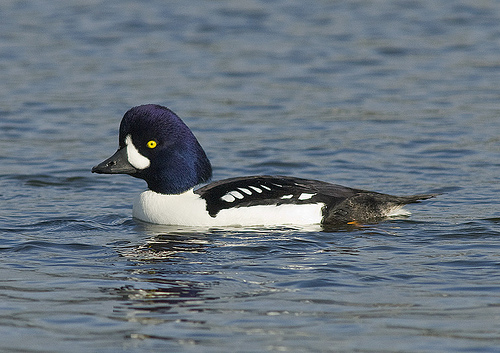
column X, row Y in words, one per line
column 393, row 96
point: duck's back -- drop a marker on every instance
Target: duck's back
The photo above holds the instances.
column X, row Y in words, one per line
column 339, row 204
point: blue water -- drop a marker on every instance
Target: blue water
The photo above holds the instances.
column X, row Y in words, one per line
column 393, row 96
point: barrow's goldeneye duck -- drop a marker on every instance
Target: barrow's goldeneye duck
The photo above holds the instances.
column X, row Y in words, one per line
column 156, row 145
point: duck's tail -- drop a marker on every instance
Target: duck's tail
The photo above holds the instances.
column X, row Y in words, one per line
column 405, row 200
column 368, row 207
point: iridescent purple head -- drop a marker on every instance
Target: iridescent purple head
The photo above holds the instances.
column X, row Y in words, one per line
column 156, row 145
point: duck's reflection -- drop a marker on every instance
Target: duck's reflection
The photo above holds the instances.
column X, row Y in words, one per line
column 141, row 302
column 161, row 272
column 168, row 246
column 176, row 270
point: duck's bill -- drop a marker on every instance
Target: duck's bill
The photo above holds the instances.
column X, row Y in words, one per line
column 116, row 164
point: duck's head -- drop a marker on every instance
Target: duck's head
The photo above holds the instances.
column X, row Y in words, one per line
column 156, row 145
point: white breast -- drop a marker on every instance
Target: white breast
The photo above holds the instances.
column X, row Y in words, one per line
column 189, row 209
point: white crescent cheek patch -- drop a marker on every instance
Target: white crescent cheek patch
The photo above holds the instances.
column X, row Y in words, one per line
column 134, row 157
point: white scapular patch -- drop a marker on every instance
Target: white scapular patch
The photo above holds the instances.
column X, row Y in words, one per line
column 254, row 188
column 228, row 198
column 285, row 197
column 305, row 196
column 237, row 194
column 233, row 195
column 190, row 209
column 246, row 191
column 134, row 157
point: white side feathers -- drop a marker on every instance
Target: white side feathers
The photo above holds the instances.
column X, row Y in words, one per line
column 133, row 155
column 190, row 209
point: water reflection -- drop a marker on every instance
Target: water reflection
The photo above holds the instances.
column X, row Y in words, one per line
column 178, row 268
column 167, row 295
column 161, row 276
column 168, row 246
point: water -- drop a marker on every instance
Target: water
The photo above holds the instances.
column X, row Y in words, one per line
column 397, row 97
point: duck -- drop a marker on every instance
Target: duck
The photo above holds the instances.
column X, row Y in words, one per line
column 157, row 146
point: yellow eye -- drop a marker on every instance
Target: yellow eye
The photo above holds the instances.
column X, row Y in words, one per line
column 151, row 144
